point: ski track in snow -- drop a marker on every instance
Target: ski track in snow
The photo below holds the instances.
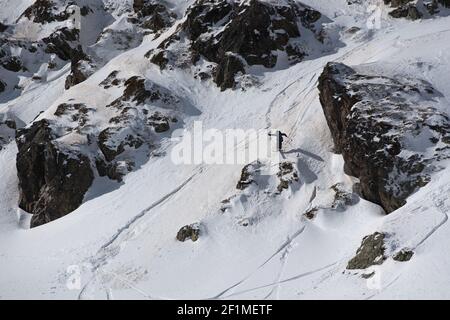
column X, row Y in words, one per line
column 302, row 96
column 439, row 204
column 287, row 243
column 112, row 247
column 299, row 276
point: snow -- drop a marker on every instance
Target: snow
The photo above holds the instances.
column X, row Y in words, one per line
column 122, row 239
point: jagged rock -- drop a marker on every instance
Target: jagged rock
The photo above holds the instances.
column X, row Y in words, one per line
column 43, row 11
column 371, row 252
column 227, row 70
column 2, row 86
column 15, row 53
column 7, row 131
column 247, row 176
column 250, row 33
column 3, row 27
column 76, row 112
column 63, row 152
column 159, row 122
column 374, row 121
column 112, row 144
column 137, row 91
column 159, row 59
column 397, row 3
column 287, row 175
column 111, row 80
column 311, row 213
column 412, row 10
column 191, row 232
column 143, row 105
column 12, row 63
column 153, row 15
column 80, row 70
column 52, row 181
column 64, row 43
column 403, row 255
column 342, row 197
column 115, row 170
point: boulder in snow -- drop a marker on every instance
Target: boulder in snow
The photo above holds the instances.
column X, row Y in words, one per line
column 189, row 232
column 390, row 132
column 371, row 252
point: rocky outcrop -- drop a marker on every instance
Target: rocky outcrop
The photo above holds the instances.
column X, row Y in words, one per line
column 234, row 35
column 112, row 145
column 403, row 255
column 44, row 11
column 64, row 43
column 189, row 232
column 80, row 70
column 413, row 10
column 7, row 131
column 247, row 175
column 152, row 15
column 342, row 197
column 52, row 181
column 60, row 156
column 390, row 131
column 7, row 60
column 52, row 52
column 287, row 175
column 371, row 252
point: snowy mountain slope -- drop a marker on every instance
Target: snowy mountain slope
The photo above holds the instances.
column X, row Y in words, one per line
column 122, row 238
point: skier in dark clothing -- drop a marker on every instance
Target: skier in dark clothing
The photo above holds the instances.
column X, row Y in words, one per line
column 280, row 136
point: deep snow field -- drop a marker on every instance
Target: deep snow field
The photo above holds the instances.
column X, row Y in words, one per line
column 121, row 241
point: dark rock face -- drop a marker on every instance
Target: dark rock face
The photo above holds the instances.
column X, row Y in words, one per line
column 371, row 252
column 111, row 80
column 75, row 112
column 61, row 45
column 2, row 86
column 410, row 9
column 142, row 113
column 342, row 198
column 80, row 70
column 112, row 145
column 7, row 132
column 287, row 175
column 3, row 27
column 403, row 255
column 247, row 176
column 11, row 63
column 52, row 181
column 152, row 15
column 410, row 12
column 135, row 91
column 46, row 11
column 64, row 43
column 42, row 11
column 159, row 122
column 191, row 232
column 252, row 33
column 375, row 122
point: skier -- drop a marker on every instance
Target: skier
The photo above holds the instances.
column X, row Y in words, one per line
column 280, row 136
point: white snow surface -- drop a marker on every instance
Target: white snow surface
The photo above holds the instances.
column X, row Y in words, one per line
column 122, row 243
